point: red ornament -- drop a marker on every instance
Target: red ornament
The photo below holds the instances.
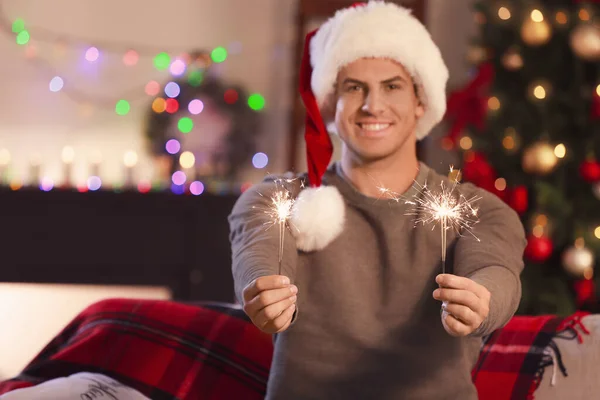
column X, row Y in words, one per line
column 519, row 199
column 538, row 249
column 590, row 170
column 585, row 290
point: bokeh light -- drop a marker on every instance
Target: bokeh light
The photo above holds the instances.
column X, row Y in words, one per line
column 130, row 159
column 177, row 67
column 122, row 107
column 178, row 189
column 260, row 160
column 172, row 106
column 187, row 159
column 23, row 37
column 18, row 25
column 152, row 88
column 178, row 178
column 173, row 146
column 56, row 84
column 4, row 157
column 162, row 61
column 94, row 183
column 172, row 89
column 196, row 106
column 144, row 186
column 67, row 155
column 46, row 184
column 185, row 125
column 195, row 78
column 92, row 54
column 159, row 105
column 130, row 58
column 230, row 96
column 219, row 54
column 196, row 188
column 256, row 102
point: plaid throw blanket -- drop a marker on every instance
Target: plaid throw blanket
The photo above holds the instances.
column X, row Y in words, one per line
column 165, row 350
column 513, row 359
column 173, row 351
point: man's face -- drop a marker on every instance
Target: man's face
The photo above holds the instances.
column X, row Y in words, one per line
column 376, row 108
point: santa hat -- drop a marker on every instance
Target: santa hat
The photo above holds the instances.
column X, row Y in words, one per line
column 373, row 29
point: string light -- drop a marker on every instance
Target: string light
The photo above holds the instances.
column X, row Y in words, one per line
column 504, row 13
column 162, row 61
column 172, row 89
column 560, row 150
column 152, row 88
column 56, row 84
column 195, row 107
column 494, row 103
column 92, row 54
column 172, row 106
column 466, row 143
column 173, row 146
column 131, row 58
column 177, row 67
column 185, row 125
column 94, row 183
column 260, row 160
column 561, row 17
column 187, row 159
column 230, row 96
column 584, row 15
column 196, row 188
column 122, row 107
column 159, row 105
column 130, row 159
column 597, row 232
column 178, row 178
column 537, row 16
column 219, row 54
column 256, row 102
column 500, row 184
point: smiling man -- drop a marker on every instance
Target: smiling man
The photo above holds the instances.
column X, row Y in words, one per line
column 356, row 309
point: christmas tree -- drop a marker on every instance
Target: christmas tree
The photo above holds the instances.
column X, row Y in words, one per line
column 528, row 127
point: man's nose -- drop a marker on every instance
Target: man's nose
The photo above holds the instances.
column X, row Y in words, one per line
column 373, row 104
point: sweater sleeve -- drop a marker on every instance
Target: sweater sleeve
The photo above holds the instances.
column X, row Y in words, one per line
column 255, row 238
column 495, row 261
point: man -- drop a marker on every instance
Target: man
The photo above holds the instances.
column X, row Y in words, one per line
column 356, row 308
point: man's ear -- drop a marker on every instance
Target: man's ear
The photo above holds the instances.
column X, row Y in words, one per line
column 420, row 109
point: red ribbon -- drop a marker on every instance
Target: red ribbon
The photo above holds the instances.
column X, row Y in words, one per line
column 469, row 105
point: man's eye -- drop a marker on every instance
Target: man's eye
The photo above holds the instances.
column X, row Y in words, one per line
column 392, row 86
column 353, row 88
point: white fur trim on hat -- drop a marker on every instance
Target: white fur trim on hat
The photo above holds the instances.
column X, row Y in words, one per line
column 317, row 217
column 385, row 30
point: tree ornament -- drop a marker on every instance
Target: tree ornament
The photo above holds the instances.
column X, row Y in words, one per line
column 577, row 260
column 538, row 249
column 536, row 33
column 518, row 199
column 585, row 41
column 539, row 159
column 590, row 170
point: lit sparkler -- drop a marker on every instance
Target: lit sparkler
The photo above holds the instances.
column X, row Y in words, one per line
column 279, row 212
column 444, row 206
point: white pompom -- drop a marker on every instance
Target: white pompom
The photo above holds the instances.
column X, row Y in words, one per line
column 317, row 217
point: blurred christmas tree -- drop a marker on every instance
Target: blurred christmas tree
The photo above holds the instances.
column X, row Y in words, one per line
column 528, row 126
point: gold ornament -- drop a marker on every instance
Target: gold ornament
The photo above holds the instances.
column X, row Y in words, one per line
column 585, row 42
column 536, row 33
column 477, row 54
column 512, row 60
column 539, row 159
column 578, row 260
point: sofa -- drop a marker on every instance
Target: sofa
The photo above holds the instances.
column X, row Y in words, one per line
column 165, row 350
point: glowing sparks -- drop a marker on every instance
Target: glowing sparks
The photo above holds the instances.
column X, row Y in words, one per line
column 446, row 207
column 280, row 210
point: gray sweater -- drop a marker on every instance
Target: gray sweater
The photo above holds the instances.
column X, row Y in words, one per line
column 367, row 326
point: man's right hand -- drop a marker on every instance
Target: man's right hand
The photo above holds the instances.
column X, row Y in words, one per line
column 270, row 302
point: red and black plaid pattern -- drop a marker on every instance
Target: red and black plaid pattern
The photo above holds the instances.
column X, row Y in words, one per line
column 512, row 359
column 165, row 350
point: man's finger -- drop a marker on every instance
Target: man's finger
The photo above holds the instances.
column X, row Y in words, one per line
column 282, row 322
column 264, row 283
column 455, row 327
column 460, row 282
column 464, row 315
column 270, row 313
column 268, row 297
column 461, row 297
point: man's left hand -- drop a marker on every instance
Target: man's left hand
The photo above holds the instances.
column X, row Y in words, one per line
column 467, row 303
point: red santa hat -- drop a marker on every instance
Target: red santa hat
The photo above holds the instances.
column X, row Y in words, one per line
column 373, row 29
